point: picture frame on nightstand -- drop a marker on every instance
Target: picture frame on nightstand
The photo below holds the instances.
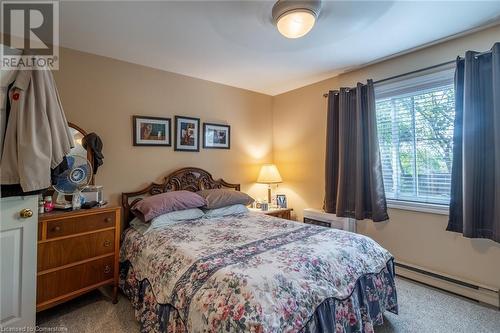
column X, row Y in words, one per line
column 281, row 201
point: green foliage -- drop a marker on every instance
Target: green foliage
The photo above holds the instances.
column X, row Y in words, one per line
column 415, row 136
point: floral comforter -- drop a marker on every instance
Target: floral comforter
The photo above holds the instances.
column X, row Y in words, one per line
column 255, row 273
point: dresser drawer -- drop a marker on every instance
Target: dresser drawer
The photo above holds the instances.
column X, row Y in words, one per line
column 68, row 250
column 65, row 281
column 74, row 225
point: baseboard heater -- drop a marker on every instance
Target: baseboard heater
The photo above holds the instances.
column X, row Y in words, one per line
column 468, row 289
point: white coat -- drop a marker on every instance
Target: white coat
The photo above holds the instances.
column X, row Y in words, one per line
column 37, row 136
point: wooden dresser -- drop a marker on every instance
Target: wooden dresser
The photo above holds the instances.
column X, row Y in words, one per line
column 77, row 252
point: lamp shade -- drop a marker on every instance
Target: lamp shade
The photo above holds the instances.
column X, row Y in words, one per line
column 269, row 174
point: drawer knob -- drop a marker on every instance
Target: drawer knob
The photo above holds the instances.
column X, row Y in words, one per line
column 107, row 219
column 107, row 243
column 26, row 213
column 56, row 228
column 107, row 269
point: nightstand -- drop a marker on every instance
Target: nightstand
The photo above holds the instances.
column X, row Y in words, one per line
column 284, row 213
column 77, row 252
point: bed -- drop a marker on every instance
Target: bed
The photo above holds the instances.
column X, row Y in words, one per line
column 250, row 272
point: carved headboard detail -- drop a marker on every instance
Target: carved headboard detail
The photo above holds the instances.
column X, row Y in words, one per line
column 189, row 179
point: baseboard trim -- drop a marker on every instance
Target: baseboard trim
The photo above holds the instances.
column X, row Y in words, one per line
column 468, row 289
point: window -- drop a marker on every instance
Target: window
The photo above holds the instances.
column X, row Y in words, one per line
column 415, row 119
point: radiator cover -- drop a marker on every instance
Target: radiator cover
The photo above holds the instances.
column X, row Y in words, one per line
column 319, row 217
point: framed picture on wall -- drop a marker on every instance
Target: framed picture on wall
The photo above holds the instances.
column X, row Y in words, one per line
column 216, row 136
column 152, row 131
column 187, row 134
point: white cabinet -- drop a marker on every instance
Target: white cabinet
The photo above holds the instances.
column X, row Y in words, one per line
column 18, row 243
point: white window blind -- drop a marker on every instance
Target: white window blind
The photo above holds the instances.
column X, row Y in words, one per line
column 415, row 119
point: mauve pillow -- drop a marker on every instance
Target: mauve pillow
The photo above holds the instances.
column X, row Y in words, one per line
column 218, row 198
column 156, row 205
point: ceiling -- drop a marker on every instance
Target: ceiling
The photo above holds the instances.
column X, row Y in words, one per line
column 235, row 42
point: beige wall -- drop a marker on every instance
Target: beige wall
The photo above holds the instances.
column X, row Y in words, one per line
column 101, row 94
column 416, row 238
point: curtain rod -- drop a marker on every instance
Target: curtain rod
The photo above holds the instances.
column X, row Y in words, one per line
column 419, row 70
column 408, row 73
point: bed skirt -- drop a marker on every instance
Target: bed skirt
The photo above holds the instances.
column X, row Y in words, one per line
column 358, row 313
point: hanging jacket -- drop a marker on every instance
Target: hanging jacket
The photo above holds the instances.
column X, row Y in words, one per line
column 37, row 137
column 93, row 142
column 7, row 77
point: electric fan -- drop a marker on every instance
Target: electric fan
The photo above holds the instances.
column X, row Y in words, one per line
column 72, row 181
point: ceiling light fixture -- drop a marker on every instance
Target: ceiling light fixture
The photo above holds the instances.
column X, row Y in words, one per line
column 295, row 18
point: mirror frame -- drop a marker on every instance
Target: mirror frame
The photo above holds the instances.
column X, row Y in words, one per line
column 90, row 155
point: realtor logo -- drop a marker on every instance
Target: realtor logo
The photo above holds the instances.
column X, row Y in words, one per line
column 32, row 29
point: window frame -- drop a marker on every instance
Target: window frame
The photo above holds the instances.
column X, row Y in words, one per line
column 410, row 84
column 417, row 206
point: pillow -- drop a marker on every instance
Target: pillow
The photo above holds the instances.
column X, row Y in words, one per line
column 176, row 216
column 218, row 198
column 167, row 202
column 228, row 210
column 166, row 219
column 139, row 226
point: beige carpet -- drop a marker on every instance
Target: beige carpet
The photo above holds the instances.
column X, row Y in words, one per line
column 422, row 309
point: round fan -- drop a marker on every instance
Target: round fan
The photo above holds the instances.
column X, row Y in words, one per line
column 73, row 180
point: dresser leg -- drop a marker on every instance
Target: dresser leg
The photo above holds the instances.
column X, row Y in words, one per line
column 115, row 295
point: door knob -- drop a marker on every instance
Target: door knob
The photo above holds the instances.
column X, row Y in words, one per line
column 26, row 213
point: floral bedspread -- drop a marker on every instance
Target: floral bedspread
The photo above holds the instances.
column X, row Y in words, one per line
column 256, row 273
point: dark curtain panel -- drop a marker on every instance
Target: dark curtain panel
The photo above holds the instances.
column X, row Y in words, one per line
column 475, row 189
column 354, row 183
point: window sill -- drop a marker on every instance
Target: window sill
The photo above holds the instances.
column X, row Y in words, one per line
column 418, row 207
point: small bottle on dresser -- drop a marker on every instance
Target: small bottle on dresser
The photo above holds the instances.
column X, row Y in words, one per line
column 48, row 205
column 41, row 205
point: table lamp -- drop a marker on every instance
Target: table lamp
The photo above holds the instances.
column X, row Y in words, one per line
column 269, row 174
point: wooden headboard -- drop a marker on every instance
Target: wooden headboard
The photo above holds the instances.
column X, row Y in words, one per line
column 189, row 179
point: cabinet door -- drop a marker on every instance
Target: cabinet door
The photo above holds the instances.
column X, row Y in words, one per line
column 18, row 243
